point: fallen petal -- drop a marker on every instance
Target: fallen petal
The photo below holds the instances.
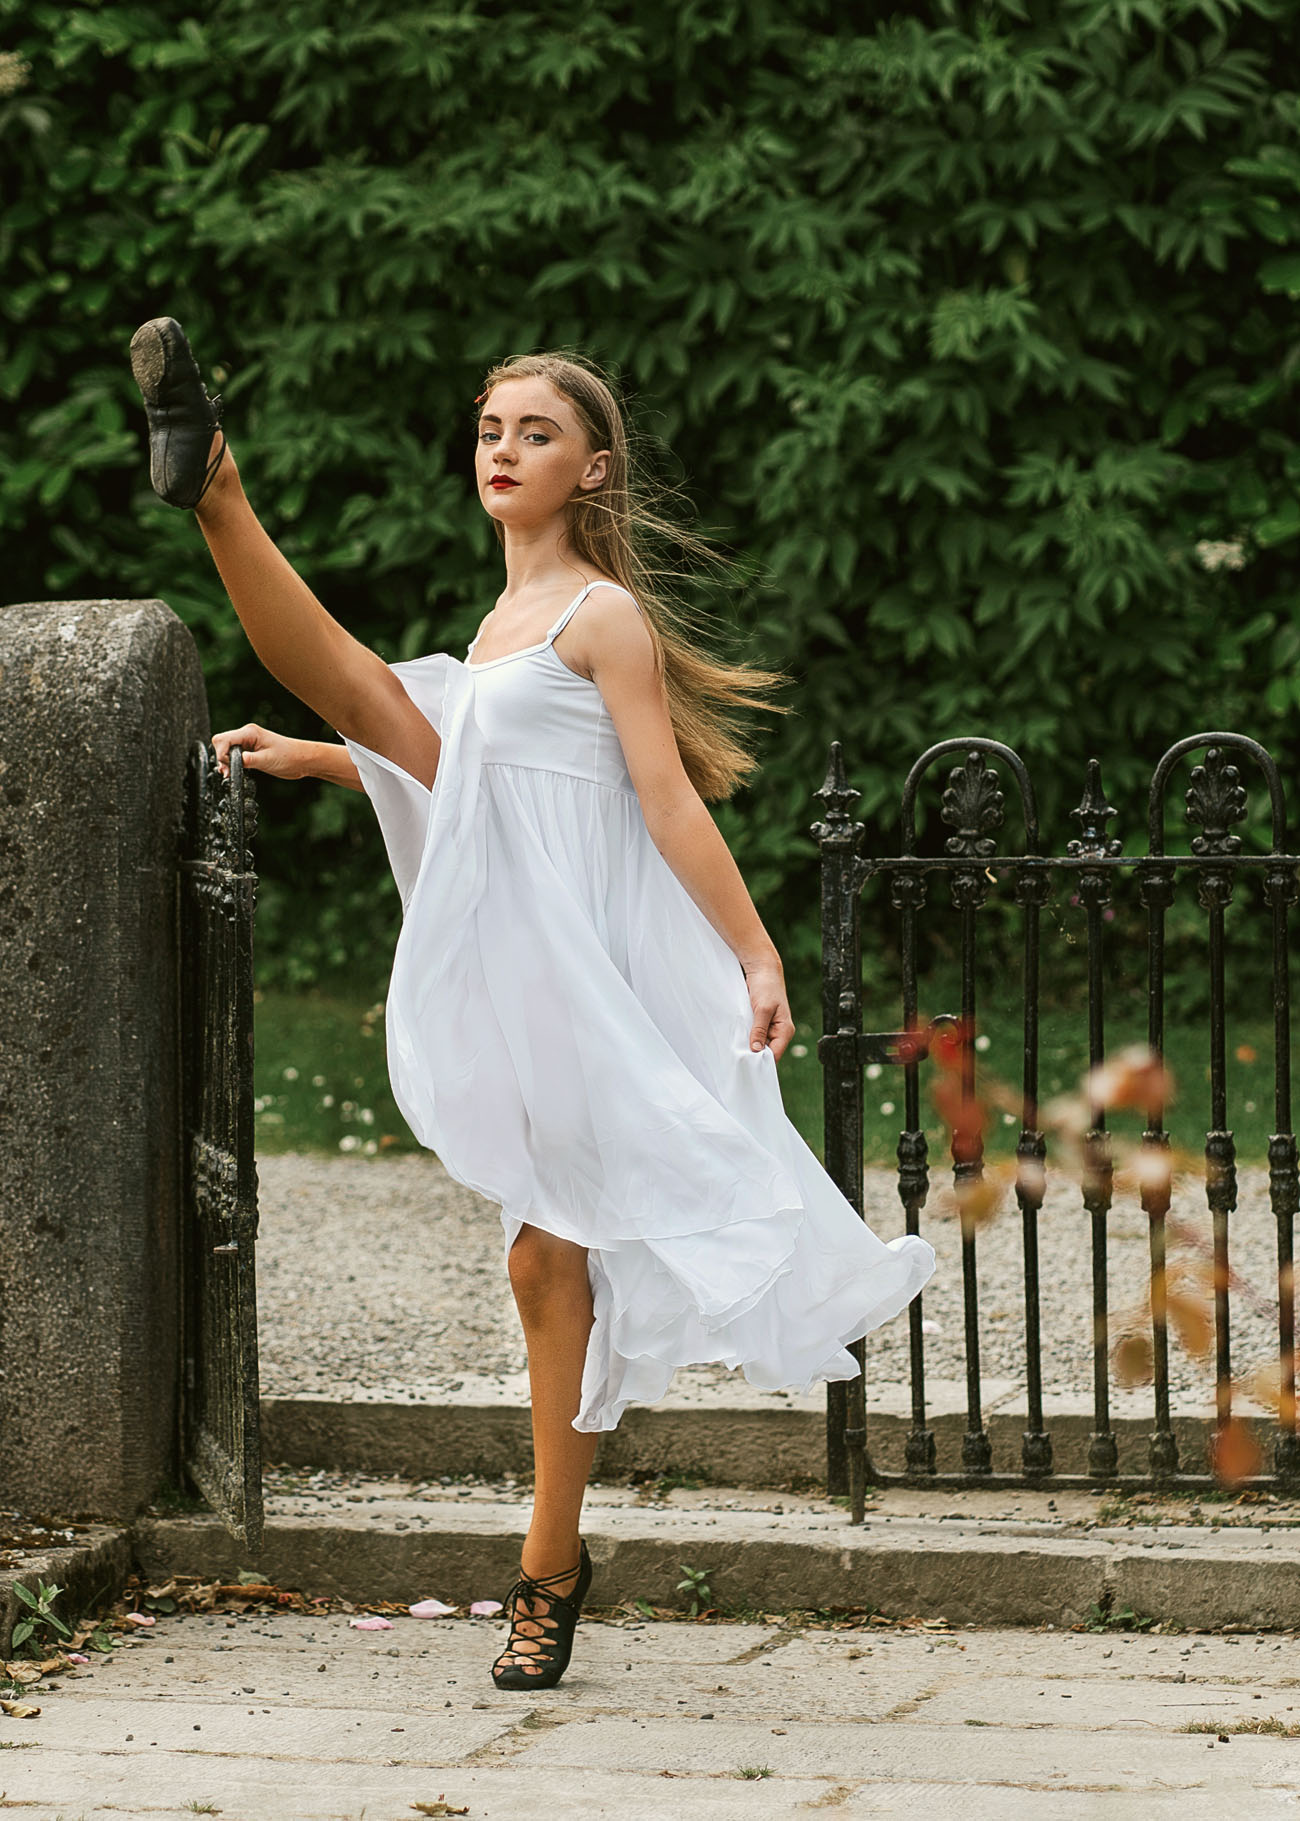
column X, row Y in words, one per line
column 371, row 1624
column 485, row 1609
column 140, row 1618
column 18, row 1710
column 75, row 1656
column 430, row 1609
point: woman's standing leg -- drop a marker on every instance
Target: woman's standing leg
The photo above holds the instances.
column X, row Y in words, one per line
column 553, row 1296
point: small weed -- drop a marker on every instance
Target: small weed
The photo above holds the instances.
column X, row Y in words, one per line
column 16, row 1744
column 977, row 1722
column 696, row 1586
column 676, row 1482
column 1101, row 1618
column 751, row 1771
column 41, row 1618
column 202, row 1808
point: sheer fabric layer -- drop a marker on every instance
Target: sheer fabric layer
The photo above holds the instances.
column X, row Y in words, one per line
column 570, row 1034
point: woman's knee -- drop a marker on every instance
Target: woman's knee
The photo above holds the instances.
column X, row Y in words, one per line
column 542, row 1266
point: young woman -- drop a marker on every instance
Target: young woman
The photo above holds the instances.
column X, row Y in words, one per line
column 585, row 1011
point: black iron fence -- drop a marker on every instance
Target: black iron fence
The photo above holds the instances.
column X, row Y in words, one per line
column 971, row 865
column 220, row 1433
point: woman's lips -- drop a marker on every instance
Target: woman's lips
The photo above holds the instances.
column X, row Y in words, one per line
column 500, row 484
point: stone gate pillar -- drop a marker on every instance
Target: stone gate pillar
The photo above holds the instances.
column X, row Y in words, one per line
column 99, row 703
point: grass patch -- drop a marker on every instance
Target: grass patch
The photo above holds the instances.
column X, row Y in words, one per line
column 753, row 1771
column 321, row 1077
column 1266, row 1723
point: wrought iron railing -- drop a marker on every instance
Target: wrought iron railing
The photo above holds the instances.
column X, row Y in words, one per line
column 220, row 1432
column 972, row 863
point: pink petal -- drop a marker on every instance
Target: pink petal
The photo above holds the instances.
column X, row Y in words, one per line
column 485, row 1609
column 371, row 1624
column 140, row 1618
column 430, row 1609
column 75, row 1656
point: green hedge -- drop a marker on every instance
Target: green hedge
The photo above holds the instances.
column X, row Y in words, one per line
column 965, row 330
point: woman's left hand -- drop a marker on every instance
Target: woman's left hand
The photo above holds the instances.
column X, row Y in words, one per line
column 773, row 1027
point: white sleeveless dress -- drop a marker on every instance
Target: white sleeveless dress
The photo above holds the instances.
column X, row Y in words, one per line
column 570, row 1034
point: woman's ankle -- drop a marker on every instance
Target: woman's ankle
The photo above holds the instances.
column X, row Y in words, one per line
column 548, row 1553
column 224, row 491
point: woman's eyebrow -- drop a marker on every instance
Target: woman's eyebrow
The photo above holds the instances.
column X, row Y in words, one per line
column 490, row 417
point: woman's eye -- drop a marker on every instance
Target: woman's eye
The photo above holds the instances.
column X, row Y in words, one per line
column 487, row 436
column 538, row 436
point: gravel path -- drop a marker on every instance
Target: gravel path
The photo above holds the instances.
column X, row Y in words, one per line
column 384, row 1274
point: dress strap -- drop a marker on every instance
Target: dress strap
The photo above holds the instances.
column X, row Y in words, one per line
column 574, row 605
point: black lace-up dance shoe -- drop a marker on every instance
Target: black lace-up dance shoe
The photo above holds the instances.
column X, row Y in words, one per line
column 182, row 417
column 550, row 1619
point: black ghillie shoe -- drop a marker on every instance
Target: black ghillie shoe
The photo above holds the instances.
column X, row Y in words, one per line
column 182, row 418
column 551, row 1623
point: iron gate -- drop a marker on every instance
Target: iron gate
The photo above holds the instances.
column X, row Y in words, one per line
column 973, row 864
column 220, row 1443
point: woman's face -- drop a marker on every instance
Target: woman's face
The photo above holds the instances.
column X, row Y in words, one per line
column 533, row 455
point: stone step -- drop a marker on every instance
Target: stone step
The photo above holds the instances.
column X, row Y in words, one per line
column 389, row 1541
column 724, row 1434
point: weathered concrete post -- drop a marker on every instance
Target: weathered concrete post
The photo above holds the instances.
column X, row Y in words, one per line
column 99, row 703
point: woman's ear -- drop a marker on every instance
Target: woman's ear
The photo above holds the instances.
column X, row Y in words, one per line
column 596, row 470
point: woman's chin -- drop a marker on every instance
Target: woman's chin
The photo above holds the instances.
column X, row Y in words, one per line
column 520, row 515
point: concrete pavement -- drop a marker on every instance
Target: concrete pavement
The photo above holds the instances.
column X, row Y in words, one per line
column 297, row 1718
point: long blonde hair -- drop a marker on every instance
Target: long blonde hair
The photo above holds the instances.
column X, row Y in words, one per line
column 615, row 529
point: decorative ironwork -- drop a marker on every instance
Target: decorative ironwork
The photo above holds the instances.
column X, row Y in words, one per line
column 1092, row 815
column 218, row 894
column 1216, row 800
column 972, row 805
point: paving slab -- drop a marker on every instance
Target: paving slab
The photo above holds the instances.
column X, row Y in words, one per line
column 969, row 1722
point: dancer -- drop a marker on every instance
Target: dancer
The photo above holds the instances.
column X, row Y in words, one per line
column 585, row 1011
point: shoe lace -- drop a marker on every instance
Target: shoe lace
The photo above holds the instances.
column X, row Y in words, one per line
column 533, row 1588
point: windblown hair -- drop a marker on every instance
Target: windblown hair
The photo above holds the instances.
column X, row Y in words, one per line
column 617, row 527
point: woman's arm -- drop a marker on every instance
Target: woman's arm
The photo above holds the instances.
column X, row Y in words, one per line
column 280, row 757
column 346, row 683
column 614, row 648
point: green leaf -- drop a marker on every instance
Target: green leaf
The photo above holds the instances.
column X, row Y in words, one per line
column 1280, row 525
column 1281, row 274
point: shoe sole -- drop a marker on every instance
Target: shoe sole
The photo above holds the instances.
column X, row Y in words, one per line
column 149, row 357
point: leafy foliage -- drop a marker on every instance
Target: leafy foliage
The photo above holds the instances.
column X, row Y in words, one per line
column 966, row 328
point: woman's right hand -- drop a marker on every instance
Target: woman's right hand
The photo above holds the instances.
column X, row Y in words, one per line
column 274, row 753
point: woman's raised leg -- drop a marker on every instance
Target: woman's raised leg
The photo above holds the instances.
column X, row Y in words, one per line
column 302, row 646
column 553, row 1296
